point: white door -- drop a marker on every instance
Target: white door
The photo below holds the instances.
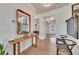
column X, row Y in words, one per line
column 52, row 27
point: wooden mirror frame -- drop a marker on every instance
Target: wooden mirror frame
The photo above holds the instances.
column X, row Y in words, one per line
column 17, row 23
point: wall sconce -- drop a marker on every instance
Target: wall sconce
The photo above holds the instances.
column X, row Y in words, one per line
column 47, row 4
column 48, row 18
column 13, row 20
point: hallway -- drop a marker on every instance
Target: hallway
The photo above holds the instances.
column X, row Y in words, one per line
column 45, row 47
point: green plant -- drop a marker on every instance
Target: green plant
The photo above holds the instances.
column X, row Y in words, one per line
column 2, row 50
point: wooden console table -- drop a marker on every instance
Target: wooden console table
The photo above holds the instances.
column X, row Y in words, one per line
column 16, row 42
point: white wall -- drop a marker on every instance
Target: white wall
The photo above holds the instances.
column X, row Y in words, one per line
column 42, row 29
column 60, row 15
column 7, row 28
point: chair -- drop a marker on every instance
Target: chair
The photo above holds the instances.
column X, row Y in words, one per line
column 63, row 47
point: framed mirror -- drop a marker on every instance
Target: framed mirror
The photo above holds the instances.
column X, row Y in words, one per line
column 23, row 22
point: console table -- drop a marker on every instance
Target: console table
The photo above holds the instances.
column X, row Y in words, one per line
column 16, row 42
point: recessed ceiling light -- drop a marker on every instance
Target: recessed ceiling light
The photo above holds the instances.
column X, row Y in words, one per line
column 47, row 4
column 51, row 18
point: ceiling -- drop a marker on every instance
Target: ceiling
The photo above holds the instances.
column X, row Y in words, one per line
column 41, row 9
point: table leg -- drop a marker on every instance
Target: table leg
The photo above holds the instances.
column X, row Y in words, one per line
column 14, row 49
column 18, row 48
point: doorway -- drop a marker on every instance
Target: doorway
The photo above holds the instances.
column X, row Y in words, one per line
column 51, row 28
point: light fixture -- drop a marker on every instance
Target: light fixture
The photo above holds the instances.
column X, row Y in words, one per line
column 51, row 18
column 47, row 4
column 36, row 17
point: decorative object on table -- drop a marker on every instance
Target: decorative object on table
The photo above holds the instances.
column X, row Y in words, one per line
column 63, row 36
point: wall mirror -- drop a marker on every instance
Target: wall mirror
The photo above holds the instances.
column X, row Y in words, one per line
column 23, row 22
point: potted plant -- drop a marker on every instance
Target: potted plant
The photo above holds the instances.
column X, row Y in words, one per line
column 2, row 50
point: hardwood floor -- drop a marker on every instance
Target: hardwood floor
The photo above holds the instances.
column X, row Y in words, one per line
column 45, row 47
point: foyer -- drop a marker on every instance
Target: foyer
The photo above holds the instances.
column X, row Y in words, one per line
column 33, row 28
column 44, row 47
